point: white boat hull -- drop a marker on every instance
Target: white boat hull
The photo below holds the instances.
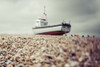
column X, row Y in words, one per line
column 52, row 30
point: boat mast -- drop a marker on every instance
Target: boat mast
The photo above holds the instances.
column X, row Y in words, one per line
column 45, row 12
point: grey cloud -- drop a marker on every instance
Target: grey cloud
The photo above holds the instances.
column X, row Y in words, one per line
column 83, row 9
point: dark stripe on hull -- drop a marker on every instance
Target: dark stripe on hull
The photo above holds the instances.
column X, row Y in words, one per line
column 68, row 25
column 47, row 26
column 53, row 33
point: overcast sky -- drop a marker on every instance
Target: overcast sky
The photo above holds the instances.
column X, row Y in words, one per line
column 18, row 16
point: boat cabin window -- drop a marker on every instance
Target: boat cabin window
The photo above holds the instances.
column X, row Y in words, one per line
column 45, row 23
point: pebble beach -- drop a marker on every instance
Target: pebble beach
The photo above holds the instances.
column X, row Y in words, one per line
column 49, row 51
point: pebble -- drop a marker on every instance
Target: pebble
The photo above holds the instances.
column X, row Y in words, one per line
column 61, row 51
column 8, row 62
column 20, row 65
column 74, row 63
column 52, row 51
column 67, row 65
column 80, row 59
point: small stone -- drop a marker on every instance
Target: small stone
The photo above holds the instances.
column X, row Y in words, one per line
column 72, row 35
column 87, row 54
column 59, row 58
column 74, row 63
column 82, row 35
column 53, row 66
column 49, row 57
column 9, row 65
column 8, row 62
column 37, row 65
column 73, row 54
column 67, row 65
column 3, row 38
column 43, row 49
column 80, row 59
column 1, row 53
column 32, row 57
column 20, row 65
column 61, row 51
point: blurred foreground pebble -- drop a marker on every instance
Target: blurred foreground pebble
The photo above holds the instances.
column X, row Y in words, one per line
column 49, row 51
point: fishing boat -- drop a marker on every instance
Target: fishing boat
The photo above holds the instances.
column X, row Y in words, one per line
column 42, row 27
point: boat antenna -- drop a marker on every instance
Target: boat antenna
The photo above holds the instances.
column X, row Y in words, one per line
column 45, row 12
